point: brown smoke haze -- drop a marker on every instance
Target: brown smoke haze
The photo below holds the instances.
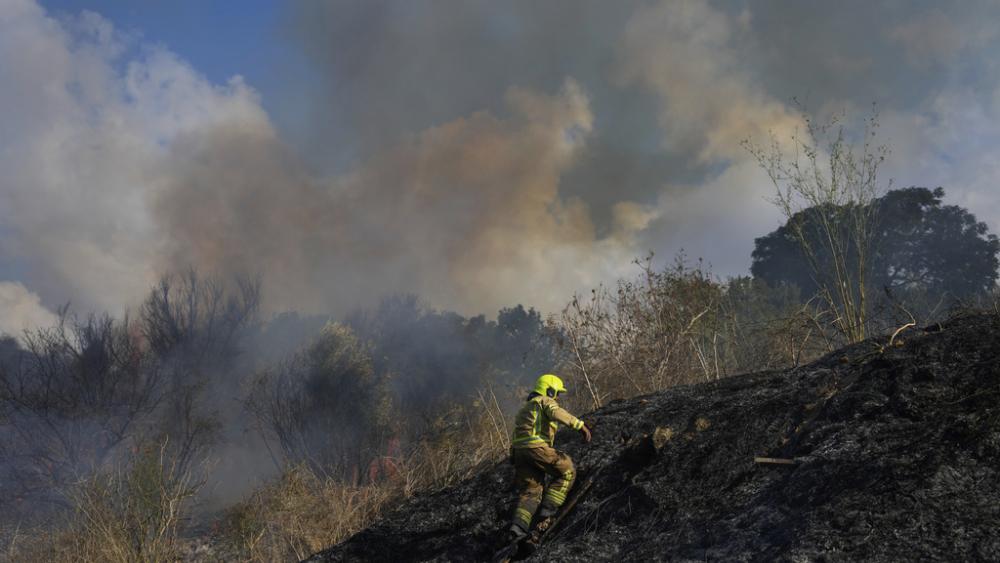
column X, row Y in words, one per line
column 467, row 213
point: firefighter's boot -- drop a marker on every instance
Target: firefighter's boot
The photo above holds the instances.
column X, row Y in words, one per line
column 546, row 515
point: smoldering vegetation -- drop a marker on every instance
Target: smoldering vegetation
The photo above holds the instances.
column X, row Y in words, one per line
column 194, row 428
column 90, row 392
column 893, row 446
column 119, row 433
column 483, row 158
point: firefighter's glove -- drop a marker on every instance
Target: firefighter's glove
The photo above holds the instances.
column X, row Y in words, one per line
column 586, row 433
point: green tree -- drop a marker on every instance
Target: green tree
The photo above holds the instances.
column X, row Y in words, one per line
column 524, row 346
column 919, row 245
column 327, row 406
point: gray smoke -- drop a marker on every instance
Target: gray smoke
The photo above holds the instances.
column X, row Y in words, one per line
column 476, row 153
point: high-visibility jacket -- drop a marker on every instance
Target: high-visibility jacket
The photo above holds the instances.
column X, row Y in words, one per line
column 535, row 424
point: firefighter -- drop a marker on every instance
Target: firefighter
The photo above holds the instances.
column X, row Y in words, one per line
column 534, row 457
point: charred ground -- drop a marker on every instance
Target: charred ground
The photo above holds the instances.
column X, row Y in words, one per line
column 898, row 449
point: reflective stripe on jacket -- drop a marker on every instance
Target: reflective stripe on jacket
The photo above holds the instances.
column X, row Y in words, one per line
column 535, row 424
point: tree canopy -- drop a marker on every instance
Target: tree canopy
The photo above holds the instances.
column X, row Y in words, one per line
column 919, row 244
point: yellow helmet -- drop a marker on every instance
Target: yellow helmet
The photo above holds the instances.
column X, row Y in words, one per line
column 549, row 382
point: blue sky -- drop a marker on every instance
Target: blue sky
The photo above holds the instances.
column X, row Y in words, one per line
column 250, row 38
column 219, row 38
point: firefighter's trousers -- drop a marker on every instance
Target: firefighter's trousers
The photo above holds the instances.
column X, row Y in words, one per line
column 531, row 465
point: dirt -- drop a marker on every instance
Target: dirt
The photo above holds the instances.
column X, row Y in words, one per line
column 897, row 450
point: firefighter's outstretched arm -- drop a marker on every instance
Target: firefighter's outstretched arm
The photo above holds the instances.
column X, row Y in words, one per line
column 561, row 415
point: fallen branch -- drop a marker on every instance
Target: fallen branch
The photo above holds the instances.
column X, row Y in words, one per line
column 899, row 330
column 775, row 461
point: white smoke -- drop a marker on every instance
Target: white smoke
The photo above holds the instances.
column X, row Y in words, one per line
column 120, row 161
column 88, row 119
column 689, row 55
column 123, row 162
column 21, row 310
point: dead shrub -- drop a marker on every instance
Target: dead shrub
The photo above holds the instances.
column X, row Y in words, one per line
column 304, row 511
column 679, row 325
column 135, row 513
column 300, row 514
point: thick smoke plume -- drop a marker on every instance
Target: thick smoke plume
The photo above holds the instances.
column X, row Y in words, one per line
column 479, row 157
column 467, row 213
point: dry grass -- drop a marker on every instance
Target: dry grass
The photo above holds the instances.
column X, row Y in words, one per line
column 131, row 514
column 302, row 512
column 678, row 326
column 137, row 513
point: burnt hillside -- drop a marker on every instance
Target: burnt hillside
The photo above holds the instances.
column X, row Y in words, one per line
column 898, row 451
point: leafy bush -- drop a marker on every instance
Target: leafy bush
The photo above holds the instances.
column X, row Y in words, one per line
column 326, row 406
